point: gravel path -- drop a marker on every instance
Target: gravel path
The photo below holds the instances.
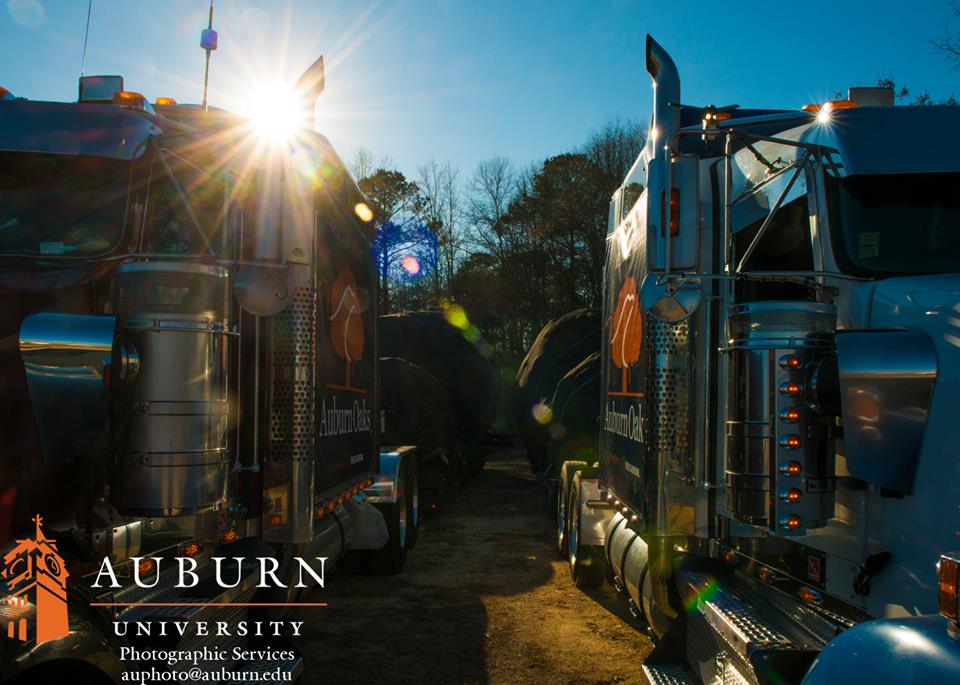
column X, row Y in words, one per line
column 483, row 599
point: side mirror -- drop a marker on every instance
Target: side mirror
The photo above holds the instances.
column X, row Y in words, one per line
column 673, row 214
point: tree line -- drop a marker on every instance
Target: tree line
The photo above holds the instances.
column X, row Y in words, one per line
column 506, row 249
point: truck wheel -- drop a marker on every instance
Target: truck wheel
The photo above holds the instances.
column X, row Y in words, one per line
column 390, row 559
column 413, row 501
column 563, row 497
column 586, row 561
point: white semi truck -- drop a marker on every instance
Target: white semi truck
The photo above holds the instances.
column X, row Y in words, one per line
column 777, row 487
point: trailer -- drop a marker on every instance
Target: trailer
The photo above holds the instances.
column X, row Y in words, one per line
column 190, row 373
column 776, row 487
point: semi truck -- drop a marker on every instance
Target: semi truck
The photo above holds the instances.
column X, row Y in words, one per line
column 189, row 369
column 776, row 487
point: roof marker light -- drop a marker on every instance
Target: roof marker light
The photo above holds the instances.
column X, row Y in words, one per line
column 812, row 108
column 129, row 100
column 834, row 105
column 165, row 102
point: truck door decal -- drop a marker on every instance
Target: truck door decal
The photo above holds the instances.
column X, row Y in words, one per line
column 626, row 335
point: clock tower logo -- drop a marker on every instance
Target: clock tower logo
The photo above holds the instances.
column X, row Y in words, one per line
column 35, row 581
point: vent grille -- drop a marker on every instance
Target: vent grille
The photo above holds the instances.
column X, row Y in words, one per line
column 294, row 348
column 670, row 387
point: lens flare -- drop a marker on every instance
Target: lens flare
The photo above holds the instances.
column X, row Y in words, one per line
column 411, row 265
column 542, row 413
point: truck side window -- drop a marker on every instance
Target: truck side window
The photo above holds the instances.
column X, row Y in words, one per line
column 170, row 228
column 785, row 246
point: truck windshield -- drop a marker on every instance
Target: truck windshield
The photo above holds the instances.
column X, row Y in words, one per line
column 61, row 205
column 891, row 224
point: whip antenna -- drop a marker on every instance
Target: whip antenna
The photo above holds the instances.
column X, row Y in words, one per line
column 86, row 35
column 208, row 41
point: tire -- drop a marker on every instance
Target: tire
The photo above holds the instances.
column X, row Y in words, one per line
column 587, row 567
column 391, row 558
column 412, row 467
column 563, row 497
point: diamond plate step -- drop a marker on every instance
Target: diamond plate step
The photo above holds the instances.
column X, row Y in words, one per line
column 736, row 619
column 665, row 675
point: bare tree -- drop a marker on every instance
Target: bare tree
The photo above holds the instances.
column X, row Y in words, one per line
column 362, row 165
column 444, row 213
column 614, row 147
column 949, row 44
column 492, row 188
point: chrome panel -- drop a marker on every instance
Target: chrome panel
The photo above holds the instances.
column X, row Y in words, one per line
column 64, row 356
column 593, row 519
column 169, row 421
column 886, row 387
column 758, row 450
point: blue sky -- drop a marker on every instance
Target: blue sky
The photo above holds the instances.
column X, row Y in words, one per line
column 461, row 81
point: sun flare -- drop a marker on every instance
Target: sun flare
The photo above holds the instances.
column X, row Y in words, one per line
column 276, row 113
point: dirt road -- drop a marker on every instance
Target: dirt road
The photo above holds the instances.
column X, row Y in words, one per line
column 483, row 599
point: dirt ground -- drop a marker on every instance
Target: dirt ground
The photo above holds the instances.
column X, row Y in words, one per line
column 483, row 599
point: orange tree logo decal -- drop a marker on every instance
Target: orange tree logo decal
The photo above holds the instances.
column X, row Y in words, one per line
column 346, row 323
column 626, row 334
column 35, row 575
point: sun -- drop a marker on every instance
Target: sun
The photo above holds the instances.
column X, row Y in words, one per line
column 276, row 113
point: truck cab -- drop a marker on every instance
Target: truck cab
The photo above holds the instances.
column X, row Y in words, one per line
column 775, row 435
column 189, row 367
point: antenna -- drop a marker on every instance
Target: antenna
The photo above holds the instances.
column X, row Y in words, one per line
column 86, row 35
column 208, row 41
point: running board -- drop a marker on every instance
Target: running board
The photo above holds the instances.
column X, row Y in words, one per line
column 665, row 675
column 738, row 628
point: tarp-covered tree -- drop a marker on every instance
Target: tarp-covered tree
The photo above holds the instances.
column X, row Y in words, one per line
column 346, row 323
column 626, row 332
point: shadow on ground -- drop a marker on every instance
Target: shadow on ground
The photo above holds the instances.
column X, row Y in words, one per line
column 482, row 599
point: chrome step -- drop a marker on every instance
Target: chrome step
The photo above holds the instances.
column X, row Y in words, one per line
column 730, row 614
column 734, row 624
column 665, row 675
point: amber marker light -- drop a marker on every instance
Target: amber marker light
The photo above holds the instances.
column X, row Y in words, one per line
column 128, row 100
column 146, row 566
column 764, row 574
column 791, row 495
column 730, row 558
column 276, row 520
column 791, row 522
column 812, row 108
column 165, row 102
column 808, row 595
column 790, row 415
column 834, row 105
column 190, row 549
column 948, row 571
column 790, row 442
column 791, row 388
column 792, row 468
column 790, row 361
column 229, row 535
